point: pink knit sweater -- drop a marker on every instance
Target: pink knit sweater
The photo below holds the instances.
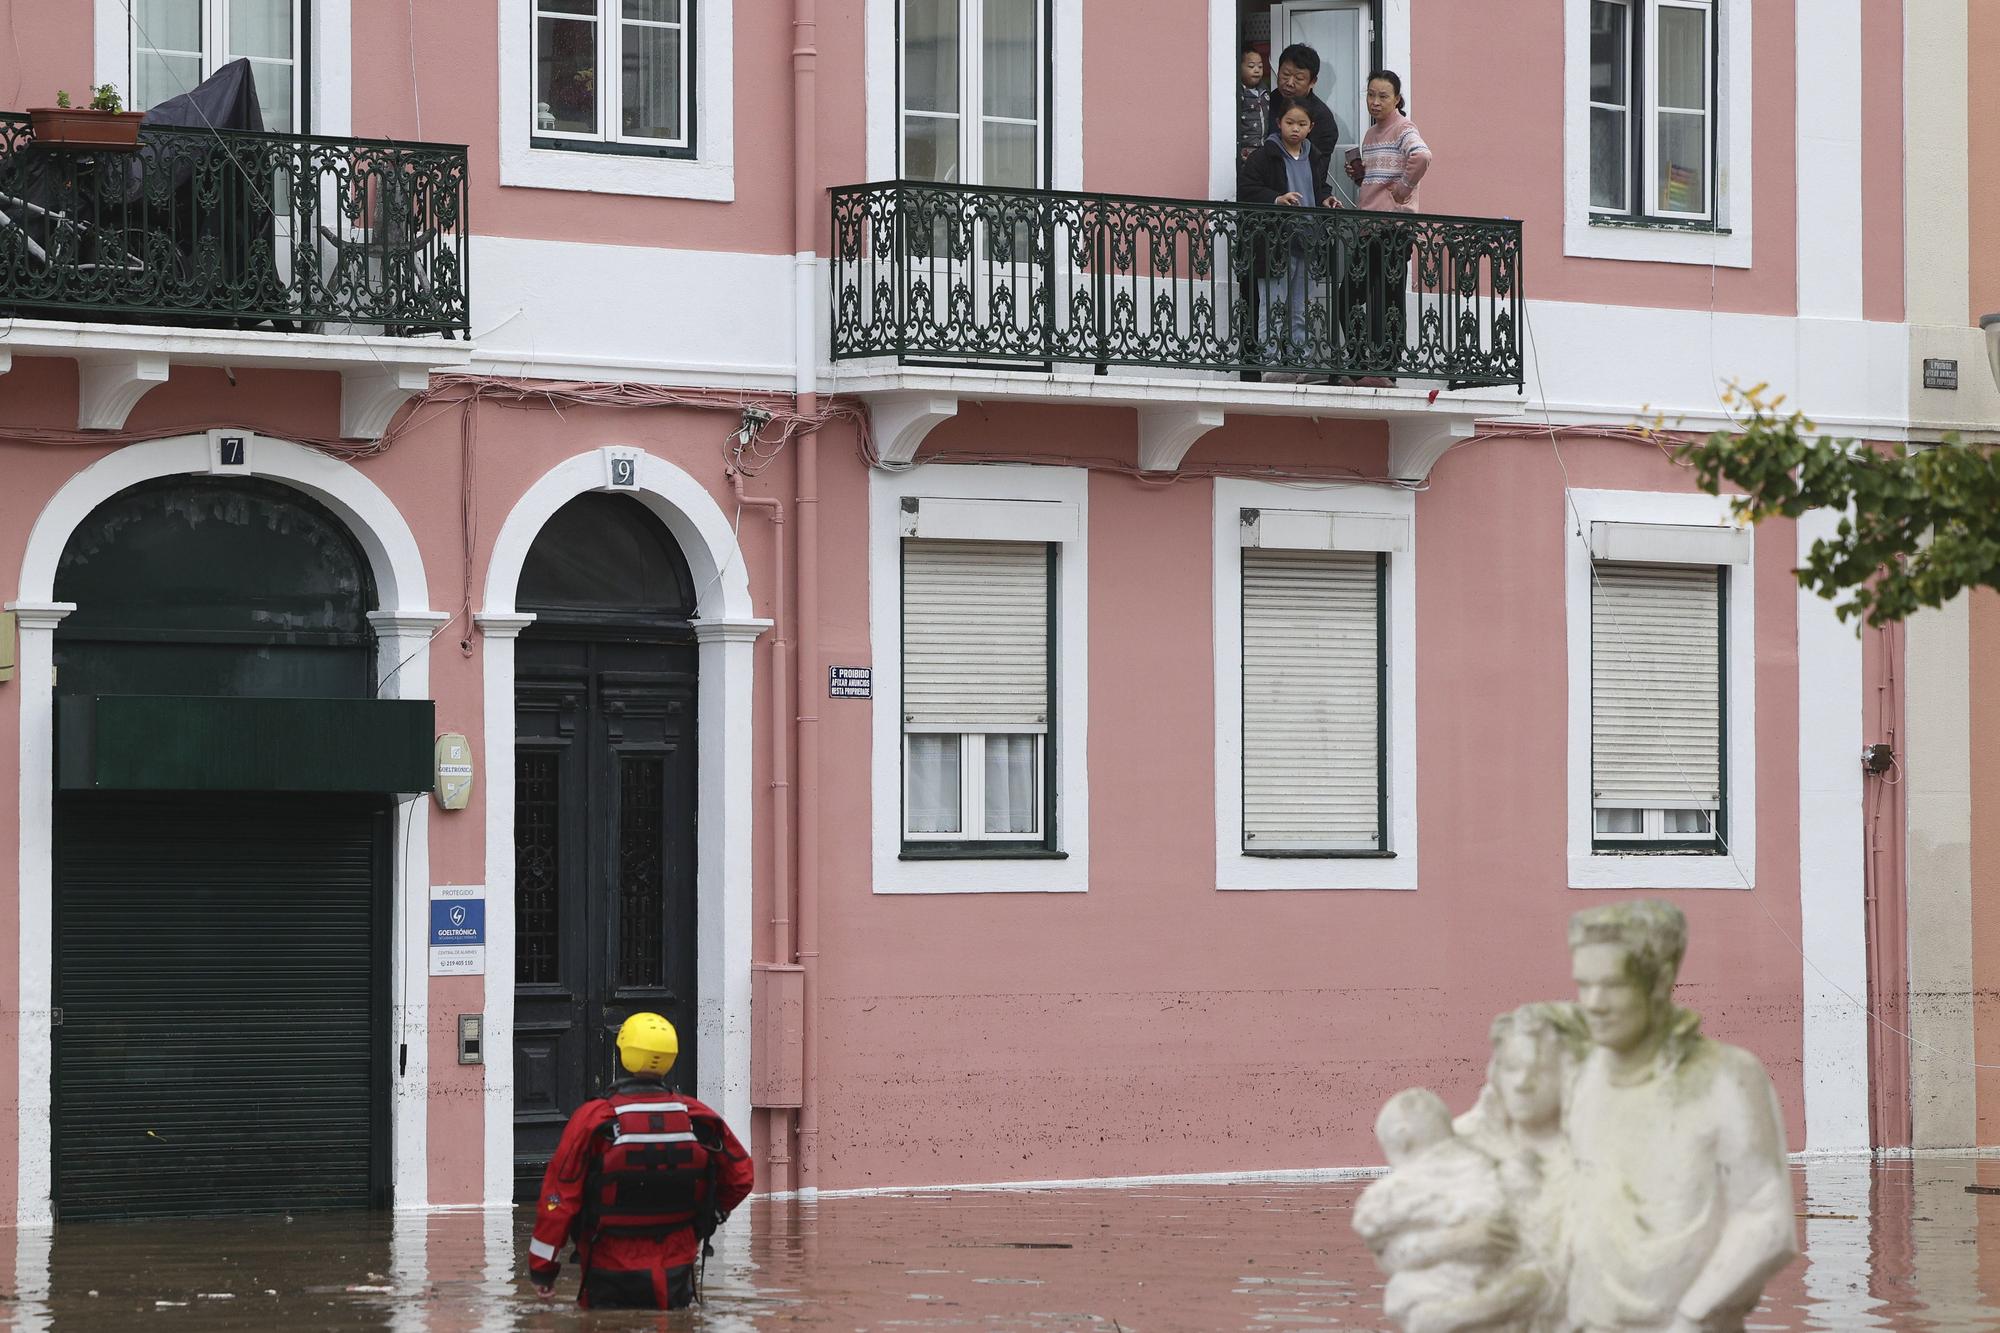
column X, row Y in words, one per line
column 1394, row 158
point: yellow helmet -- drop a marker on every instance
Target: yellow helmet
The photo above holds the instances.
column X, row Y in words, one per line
column 647, row 1044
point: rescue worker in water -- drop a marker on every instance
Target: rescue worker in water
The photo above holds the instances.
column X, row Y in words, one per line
column 640, row 1180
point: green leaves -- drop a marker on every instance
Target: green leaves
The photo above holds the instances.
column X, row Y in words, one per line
column 1919, row 526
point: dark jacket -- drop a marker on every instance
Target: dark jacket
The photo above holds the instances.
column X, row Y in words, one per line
column 1260, row 178
column 1325, row 136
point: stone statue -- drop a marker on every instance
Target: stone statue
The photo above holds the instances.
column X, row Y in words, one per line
column 1641, row 1166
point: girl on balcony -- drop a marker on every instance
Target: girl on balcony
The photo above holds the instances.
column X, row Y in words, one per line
column 1289, row 171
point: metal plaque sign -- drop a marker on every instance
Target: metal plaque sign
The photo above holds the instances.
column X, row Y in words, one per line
column 850, row 682
column 458, row 930
column 1940, row 372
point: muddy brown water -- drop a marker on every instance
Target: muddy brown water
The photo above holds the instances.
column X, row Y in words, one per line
column 1892, row 1245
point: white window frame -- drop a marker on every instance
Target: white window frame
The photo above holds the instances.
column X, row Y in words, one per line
column 1062, row 64
column 1655, row 207
column 1625, row 109
column 1721, row 237
column 972, row 791
column 325, row 88
column 709, row 174
column 1635, row 514
column 1234, row 868
column 971, row 114
column 610, row 23
column 1001, row 503
column 1223, row 47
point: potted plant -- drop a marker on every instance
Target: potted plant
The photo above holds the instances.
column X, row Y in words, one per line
column 103, row 126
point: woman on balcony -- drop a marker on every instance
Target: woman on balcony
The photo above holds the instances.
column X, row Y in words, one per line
column 1392, row 158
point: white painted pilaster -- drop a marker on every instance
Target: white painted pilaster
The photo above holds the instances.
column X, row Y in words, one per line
column 1833, row 919
column 1830, row 185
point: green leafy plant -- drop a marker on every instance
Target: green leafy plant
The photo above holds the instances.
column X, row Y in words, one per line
column 104, row 97
column 1918, row 527
column 62, row 98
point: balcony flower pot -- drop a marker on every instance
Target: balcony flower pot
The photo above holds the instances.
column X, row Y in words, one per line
column 80, row 127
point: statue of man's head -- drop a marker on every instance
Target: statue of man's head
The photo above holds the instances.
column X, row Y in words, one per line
column 1624, row 958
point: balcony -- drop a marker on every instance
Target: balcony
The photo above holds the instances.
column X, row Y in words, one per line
column 234, row 248
column 973, row 292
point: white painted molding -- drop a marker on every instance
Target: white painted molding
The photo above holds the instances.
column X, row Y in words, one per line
column 730, row 631
column 1591, row 869
column 369, row 398
column 1416, row 444
column 509, row 626
column 408, row 622
column 1733, row 179
column 1382, row 510
column 725, row 628
column 709, row 175
column 1167, row 433
column 1068, row 486
column 1833, row 854
column 900, row 421
column 1827, row 148
column 39, row 615
column 108, row 388
column 402, row 590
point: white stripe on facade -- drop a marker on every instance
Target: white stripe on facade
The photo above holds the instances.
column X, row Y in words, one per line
column 1830, row 185
column 1833, row 923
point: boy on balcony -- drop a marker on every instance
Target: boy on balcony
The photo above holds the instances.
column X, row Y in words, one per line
column 1288, row 170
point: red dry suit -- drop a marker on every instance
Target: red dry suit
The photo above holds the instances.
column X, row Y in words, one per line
column 635, row 1174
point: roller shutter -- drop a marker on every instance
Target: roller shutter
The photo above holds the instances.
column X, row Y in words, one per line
column 1312, row 700
column 975, row 636
column 1656, row 686
column 223, row 1043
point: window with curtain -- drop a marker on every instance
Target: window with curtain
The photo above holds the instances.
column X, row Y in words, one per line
column 615, row 75
column 976, row 693
column 1652, row 109
column 178, row 43
column 974, row 90
column 1657, row 649
column 1313, row 751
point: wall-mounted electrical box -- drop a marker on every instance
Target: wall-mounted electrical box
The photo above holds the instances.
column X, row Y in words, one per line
column 471, row 1039
column 454, row 771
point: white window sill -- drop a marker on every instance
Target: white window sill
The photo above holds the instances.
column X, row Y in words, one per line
column 644, row 175
column 1662, row 243
column 1612, row 871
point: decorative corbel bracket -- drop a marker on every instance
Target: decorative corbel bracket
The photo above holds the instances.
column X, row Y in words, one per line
column 108, row 388
column 370, row 397
column 902, row 420
column 1167, row 433
column 1416, row 445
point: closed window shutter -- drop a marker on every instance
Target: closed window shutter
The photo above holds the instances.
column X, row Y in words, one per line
column 1656, row 686
column 1311, row 700
column 975, row 636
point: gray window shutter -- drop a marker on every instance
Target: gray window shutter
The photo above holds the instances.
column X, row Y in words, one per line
column 1311, row 700
column 1656, row 686
column 975, row 636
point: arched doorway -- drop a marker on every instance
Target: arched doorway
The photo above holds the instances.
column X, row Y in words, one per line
column 604, row 808
column 222, row 841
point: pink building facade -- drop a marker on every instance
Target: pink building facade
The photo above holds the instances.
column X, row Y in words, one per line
column 988, row 752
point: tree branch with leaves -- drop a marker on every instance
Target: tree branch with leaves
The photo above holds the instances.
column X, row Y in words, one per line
column 1917, row 527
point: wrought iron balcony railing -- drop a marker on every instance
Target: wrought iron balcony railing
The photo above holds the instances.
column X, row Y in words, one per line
column 957, row 273
column 234, row 229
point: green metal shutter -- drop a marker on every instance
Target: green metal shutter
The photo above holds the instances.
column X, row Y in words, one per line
column 218, row 970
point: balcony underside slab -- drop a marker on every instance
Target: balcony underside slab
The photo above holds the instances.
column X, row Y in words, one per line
column 117, row 364
column 906, row 403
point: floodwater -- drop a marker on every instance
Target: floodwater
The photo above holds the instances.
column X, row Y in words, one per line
column 1891, row 1245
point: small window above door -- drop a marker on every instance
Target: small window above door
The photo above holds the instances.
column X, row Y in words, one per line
column 178, row 43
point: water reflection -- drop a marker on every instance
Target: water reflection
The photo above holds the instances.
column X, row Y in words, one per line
column 1895, row 1245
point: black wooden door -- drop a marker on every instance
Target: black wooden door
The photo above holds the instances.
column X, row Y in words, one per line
column 604, row 813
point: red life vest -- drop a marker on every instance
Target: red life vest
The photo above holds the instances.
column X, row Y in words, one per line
column 652, row 1176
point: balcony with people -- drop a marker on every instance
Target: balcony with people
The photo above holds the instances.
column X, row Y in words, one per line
column 208, row 238
column 1319, row 290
